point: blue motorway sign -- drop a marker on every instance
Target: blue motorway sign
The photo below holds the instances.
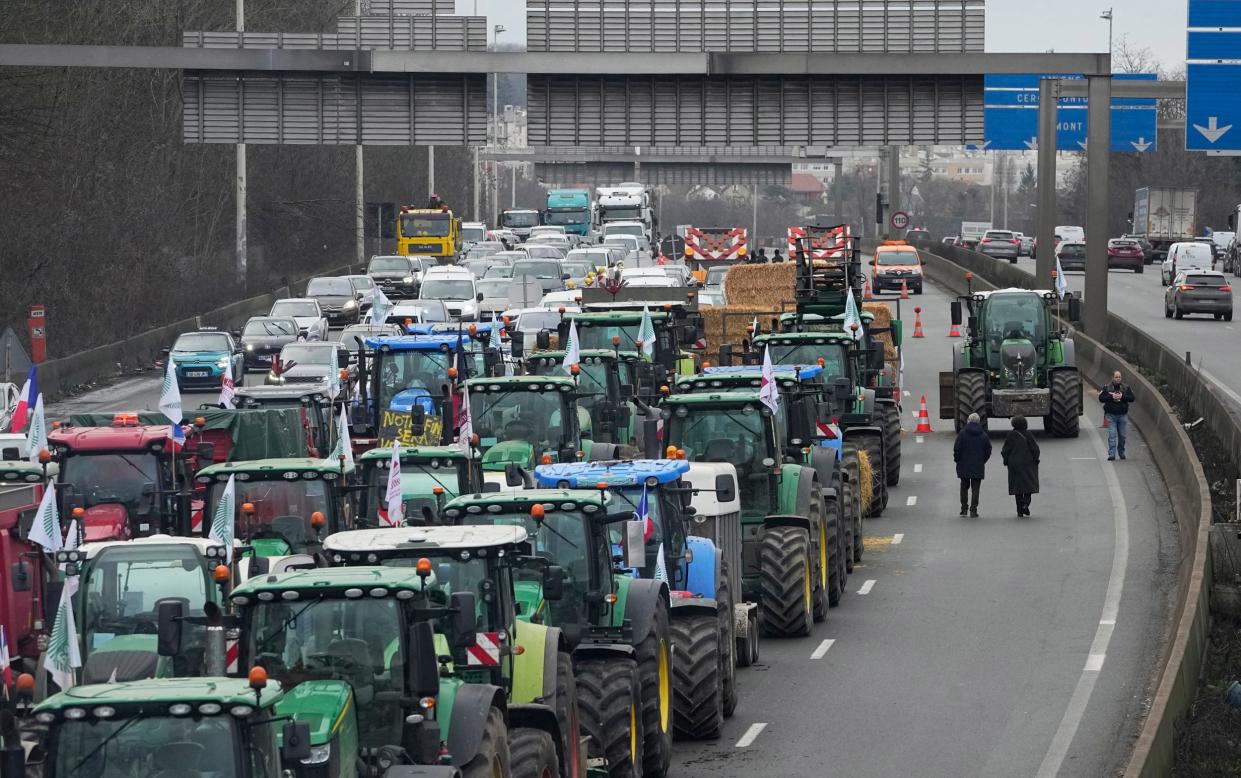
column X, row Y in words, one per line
column 1010, row 116
column 1213, row 75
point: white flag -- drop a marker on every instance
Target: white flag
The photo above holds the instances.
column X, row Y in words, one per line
column 228, row 390
column 466, row 428
column 170, row 395
column 344, row 446
column 45, row 530
column 63, row 652
column 646, row 333
column 36, row 431
column 381, row 306
column 396, row 504
column 572, row 355
column 223, row 522
column 769, row 392
column 661, row 567
column 71, row 536
column 333, row 384
column 1062, row 284
column 852, row 316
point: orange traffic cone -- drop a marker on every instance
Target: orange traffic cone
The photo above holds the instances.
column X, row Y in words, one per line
column 924, row 418
column 918, row 322
column 867, row 295
column 904, row 291
column 955, row 332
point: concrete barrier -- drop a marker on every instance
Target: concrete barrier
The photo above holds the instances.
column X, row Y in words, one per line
column 59, row 377
column 1173, row 453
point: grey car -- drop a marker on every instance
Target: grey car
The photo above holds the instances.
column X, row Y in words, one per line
column 337, row 299
column 1001, row 244
column 1199, row 291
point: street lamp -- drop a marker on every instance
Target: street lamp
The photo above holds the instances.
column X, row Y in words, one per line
column 1107, row 16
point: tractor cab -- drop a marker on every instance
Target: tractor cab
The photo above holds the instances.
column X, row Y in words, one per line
column 521, row 421
column 607, row 383
column 430, row 477
column 314, row 408
column 23, row 592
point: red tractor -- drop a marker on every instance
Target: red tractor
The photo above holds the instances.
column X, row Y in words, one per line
column 23, row 591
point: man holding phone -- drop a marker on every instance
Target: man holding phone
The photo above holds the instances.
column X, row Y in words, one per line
column 1116, row 398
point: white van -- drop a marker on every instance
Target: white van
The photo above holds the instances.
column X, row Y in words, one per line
column 1068, row 232
column 1186, row 256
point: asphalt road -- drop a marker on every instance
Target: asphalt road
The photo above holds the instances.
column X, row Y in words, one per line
column 988, row 647
column 981, row 647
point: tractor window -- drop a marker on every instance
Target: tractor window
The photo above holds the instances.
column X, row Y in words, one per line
column 537, row 418
column 150, row 745
column 352, row 640
column 282, row 511
column 832, row 354
column 737, row 435
column 1015, row 317
column 599, row 336
column 102, row 479
column 449, row 574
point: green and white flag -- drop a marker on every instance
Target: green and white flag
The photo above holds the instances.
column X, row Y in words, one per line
column 852, row 316
column 63, row 652
column 343, row 445
column 224, row 520
column 646, row 333
column 36, row 432
column 46, row 527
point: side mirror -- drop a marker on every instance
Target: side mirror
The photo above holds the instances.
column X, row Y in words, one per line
column 294, row 743
column 1075, row 309
column 635, row 544
column 170, row 614
column 417, row 419
column 543, row 340
column 164, row 352
column 342, row 358
column 463, row 605
column 626, row 392
column 553, row 583
column 426, row 668
column 972, row 324
column 725, row 488
column 955, row 308
column 513, row 475
column 479, row 297
column 565, row 276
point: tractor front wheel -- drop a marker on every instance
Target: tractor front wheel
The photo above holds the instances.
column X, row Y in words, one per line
column 493, row 757
column 728, row 640
column 697, row 678
column 971, row 398
column 787, row 582
column 654, row 654
column 892, row 441
column 1066, row 393
column 534, row 754
column 610, row 698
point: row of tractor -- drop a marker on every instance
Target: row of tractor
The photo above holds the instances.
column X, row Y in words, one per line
column 511, row 562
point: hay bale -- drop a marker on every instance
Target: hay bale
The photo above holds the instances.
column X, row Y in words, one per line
column 767, row 286
column 866, row 486
column 883, row 320
column 727, row 323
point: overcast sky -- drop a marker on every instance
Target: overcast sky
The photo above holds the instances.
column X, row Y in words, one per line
column 1012, row 25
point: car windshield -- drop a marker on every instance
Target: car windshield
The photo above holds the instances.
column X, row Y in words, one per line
column 715, row 276
column 304, row 354
column 447, row 289
column 352, row 640
column 636, row 230
column 1206, row 280
column 998, row 235
column 898, row 258
column 727, row 434
column 282, row 510
column 473, row 234
column 427, row 310
column 425, row 225
column 201, row 341
column 329, row 286
column 578, row 269
column 543, row 251
column 122, row 585
column 493, row 288
column 276, row 328
column 533, row 417
column 1073, row 250
column 388, row 265
column 537, row 269
column 519, row 218
column 833, row 356
column 362, row 283
column 302, row 309
column 499, row 271
column 567, row 217
column 157, row 746
column 103, row 479
column 622, row 212
column 593, row 257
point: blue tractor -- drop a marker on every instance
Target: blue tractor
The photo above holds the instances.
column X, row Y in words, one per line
column 702, row 613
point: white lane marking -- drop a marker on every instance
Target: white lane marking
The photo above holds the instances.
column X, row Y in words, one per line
column 897, row 538
column 1063, row 739
column 906, row 392
column 750, row 735
column 914, row 414
column 918, row 468
column 911, row 500
column 1085, row 459
column 917, row 438
column 822, row 649
column 866, row 587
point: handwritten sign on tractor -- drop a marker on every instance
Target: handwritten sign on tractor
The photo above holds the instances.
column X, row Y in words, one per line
column 398, row 426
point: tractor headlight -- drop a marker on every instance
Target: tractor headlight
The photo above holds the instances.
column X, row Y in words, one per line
column 319, row 754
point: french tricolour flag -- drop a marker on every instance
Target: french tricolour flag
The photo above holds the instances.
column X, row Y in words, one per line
column 25, row 402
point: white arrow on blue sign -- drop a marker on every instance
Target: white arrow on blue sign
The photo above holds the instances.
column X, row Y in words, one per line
column 1213, row 75
column 1010, row 114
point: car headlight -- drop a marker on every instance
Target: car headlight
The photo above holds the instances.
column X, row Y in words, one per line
column 407, row 280
column 249, row 347
column 319, row 754
column 349, row 306
column 222, row 362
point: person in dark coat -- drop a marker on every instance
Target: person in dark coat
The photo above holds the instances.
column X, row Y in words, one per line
column 1021, row 454
column 971, row 452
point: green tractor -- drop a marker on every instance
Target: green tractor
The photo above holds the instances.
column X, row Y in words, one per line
column 785, row 521
column 607, row 388
column 530, row 661
column 611, row 621
column 1013, row 361
column 430, row 477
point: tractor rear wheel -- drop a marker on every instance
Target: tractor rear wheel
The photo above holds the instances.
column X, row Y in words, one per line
column 892, row 441
column 610, row 698
column 728, row 640
column 838, row 551
column 853, row 499
column 534, row 753
column 873, row 444
column 567, row 714
column 1066, row 392
column 654, row 654
column 697, row 678
column 786, row 580
column 493, row 757
column 971, row 397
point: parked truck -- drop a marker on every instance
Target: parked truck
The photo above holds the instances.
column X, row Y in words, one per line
column 569, row 208
column 628, row 201
column 1164, row 215
column 519, row 220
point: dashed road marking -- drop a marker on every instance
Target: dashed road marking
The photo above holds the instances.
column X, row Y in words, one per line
column 866, row 587
column 917, row 438
column 1084, row 459
column 750, row 735
column 911, row 500
column 906, row 392
column 822, row 649
column 918, row 468
column 897, row 538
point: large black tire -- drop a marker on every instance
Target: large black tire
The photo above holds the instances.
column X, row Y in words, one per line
column 852, row 505
column 534, row 753
column 493, row 757
column 971, row 397
column 873, row 445
column 728, row 641
column 824, row 564
column 567, row 713
column 697, row 678
column 1066, row 392
column 609, row 696
column 787, row 582
column 654, row 651
column 839, row 550
column 892, row 442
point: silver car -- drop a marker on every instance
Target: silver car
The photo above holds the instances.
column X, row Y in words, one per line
column 1001, row 244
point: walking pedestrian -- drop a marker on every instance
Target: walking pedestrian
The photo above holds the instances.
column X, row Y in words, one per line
column 1116, row 398
column 971, row 451
column 1020, row 454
